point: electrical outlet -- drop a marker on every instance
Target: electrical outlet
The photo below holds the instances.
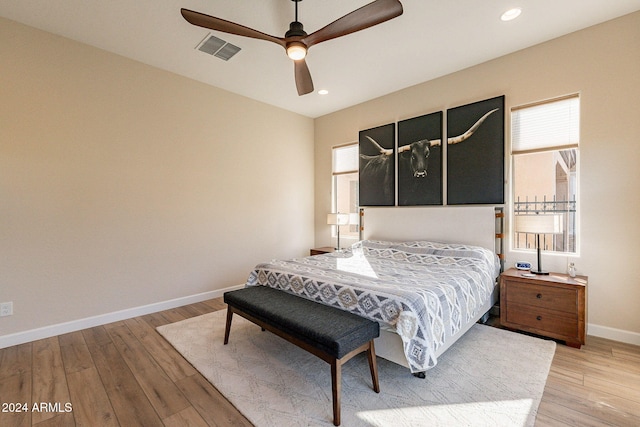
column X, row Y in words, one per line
column 6, row 309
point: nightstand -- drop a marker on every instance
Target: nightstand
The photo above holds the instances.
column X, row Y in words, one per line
column 553, row 306
column 322, row 250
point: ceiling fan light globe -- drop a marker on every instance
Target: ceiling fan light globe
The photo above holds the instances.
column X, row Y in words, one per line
column 296, row 51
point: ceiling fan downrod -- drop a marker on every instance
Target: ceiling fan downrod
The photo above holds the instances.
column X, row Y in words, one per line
column 296, row 2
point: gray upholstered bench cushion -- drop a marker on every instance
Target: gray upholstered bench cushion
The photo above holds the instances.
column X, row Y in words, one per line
column 334, row 331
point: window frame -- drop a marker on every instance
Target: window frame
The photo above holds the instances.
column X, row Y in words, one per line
column 353, row 231
column 574, row 176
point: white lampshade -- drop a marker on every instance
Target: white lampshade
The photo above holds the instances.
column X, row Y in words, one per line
column 337, row 219
column 538, row 224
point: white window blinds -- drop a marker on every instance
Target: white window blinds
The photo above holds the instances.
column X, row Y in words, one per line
column 345, row 159
column 553, row 124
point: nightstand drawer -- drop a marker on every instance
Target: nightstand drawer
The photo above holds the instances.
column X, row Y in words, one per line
column 560, row 299
column 544, row 321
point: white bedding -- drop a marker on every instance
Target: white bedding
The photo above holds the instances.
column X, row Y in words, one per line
column 424, row 291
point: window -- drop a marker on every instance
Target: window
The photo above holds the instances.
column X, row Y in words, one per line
column 544, row 148
column 345, row 187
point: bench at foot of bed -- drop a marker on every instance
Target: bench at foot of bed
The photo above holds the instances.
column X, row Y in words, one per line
column 332, row 334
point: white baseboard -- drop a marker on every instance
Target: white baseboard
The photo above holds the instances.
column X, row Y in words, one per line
column 103, row 319
column 614, row 334
column 90, row 322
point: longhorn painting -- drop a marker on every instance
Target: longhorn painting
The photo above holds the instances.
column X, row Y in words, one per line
column 475, row 159
column 377, row 166
column 420, row 160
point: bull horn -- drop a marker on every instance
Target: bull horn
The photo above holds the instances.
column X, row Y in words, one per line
column 472, row 129
column 437, row 142
column 385, row 151
column 408, row 146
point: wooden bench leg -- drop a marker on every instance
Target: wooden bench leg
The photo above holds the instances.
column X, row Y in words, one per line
column 336, row 377
column 227, row 328
column 373, row 367
column 336, row 382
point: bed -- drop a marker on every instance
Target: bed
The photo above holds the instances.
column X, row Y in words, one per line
column 424, row 294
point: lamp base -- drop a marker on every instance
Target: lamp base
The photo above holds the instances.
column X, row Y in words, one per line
column 541, row 273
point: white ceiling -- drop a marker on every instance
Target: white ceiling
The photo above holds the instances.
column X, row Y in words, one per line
column 431, row 39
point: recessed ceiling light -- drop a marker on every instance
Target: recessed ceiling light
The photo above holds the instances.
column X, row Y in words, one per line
column 511, row 14
column 323, row 92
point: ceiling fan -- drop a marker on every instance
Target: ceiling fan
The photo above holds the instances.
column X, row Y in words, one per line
column 296, row 41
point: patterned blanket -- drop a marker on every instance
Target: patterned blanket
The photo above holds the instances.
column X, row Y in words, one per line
column 423, row 291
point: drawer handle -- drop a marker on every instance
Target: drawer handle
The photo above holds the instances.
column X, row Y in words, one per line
column 539, row 296
column 539, row 318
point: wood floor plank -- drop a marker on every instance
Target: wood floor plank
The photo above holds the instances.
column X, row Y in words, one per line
column 566, row 375
column 129, row 401
column 627, row 388
column 75, row 354
column 49, row 379
column 15, row 360
column 15, row 384
column 172, row 362
column 16, row 389
column 595, row 403
column 630, row 354
column 163, row 394
column 598, row 368
column 91, row 405
column 96, row 336
column 58, row 420
column 544, row 420
column 188, row 417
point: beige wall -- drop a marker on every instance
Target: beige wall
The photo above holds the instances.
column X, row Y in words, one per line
column 601, row 63
column 122, row 185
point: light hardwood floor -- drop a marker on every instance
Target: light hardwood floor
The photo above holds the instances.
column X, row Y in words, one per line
column 126, row 374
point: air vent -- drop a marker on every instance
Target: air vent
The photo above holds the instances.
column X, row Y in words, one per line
column 218, row 48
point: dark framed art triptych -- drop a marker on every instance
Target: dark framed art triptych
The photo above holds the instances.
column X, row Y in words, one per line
column 474, row 153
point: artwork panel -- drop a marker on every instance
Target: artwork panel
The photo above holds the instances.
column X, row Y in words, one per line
column 475, row 165
column 377, row 170
column 420, row 160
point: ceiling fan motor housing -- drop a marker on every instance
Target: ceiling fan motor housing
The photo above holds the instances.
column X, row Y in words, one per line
column 296, row 29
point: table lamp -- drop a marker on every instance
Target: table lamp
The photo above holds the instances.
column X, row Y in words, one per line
column 338, row 219
column 538, row 224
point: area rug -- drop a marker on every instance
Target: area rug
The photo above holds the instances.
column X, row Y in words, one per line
column 490, row 377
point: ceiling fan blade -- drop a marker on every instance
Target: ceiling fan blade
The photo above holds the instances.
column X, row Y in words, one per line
column 367, row 16
column 304, row 84
column 206, row 21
